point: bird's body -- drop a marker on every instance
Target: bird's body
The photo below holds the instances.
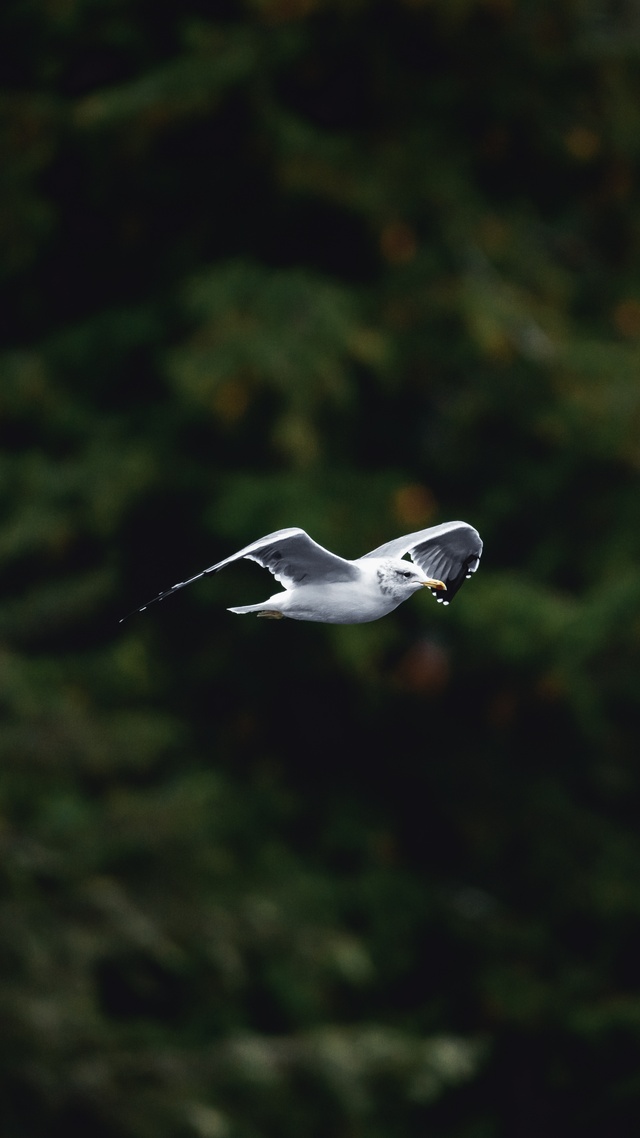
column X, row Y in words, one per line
column 322, row 587
column 377, row 591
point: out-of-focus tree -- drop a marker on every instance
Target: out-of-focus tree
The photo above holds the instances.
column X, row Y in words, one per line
column 358, row 267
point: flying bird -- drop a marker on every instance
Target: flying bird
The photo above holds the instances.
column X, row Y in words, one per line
column 322, row 587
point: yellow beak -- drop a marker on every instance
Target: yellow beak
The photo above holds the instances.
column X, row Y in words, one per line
column 429, row 584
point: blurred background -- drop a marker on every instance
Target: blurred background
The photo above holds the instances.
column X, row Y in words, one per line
column 360, row 266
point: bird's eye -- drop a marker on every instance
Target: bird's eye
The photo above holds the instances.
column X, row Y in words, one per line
column 407, row 574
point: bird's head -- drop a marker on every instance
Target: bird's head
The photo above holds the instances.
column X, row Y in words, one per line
column 400, row 578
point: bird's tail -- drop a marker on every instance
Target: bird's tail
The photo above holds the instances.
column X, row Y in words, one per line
column 264, row 609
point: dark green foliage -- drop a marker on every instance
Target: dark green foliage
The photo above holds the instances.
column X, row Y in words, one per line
column 356, row 267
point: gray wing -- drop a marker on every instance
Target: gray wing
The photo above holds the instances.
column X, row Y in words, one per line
column 450, row 553
column 293, row 557
column 290, row 554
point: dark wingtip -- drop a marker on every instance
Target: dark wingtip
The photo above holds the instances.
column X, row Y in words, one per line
column 133, row 612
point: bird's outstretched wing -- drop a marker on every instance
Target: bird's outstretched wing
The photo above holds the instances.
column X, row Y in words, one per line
column 450, row 552
column 290, row 554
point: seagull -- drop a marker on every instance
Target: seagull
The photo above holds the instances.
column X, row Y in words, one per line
column 320, row 586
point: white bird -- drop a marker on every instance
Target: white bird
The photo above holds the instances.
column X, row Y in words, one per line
column 322, row 587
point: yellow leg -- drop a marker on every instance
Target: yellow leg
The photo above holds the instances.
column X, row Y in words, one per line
column 271, row 614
